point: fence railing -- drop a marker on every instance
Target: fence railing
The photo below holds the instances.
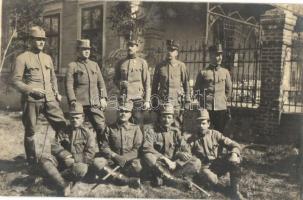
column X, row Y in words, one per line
column 293, row 78
column 243, row 64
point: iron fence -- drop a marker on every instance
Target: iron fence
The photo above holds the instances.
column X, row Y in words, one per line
column 243, row 64
column 293, row 77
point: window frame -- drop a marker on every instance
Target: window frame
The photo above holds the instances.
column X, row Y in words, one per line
column 51, row 34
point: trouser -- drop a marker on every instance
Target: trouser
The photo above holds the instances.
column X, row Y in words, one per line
column 138, row 112
column 59, row 173
column 31, row 111
column 96, row 117
column 211, row 171
column 218, row 119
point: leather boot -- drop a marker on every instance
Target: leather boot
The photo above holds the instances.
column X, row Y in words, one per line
column 30, row 150
column 235, row 188
column 169, row 179
column 53, row 174
column 122, row 179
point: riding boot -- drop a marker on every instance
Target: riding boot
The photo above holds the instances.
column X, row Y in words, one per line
column 30, row 150
column 122, row 179
column 235, row 188
column 169, row 179
column 53, row 174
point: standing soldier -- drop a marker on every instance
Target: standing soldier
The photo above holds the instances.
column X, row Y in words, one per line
column 171, row 82
column 72, row 153
column 85, row 85
column 120, row 146
column 205, row 144
column 165, row 150
column 133, row 80
column 213, row 86
column 34, row 76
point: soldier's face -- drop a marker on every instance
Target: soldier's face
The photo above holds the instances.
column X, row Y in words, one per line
column 132, row 49
column 124, row 115
column 76, row 120
column 84, row 53
column 203, row 125
column 38, row 43
column 216, row 58
column 167, row 119
column 172, row 53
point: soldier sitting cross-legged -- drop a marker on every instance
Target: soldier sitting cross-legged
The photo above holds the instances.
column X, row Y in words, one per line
column 120, row 145
column 165, row 150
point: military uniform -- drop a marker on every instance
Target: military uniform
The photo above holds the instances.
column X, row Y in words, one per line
column 120, row 146
column 132, row 77
column 77, row 144
column 85, row 84
column 206, row 146
column 168, row 142
column 171, row 84
column 35, row 70
column 213, row 86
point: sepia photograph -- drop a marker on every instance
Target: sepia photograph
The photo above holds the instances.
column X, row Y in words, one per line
column 151, row 99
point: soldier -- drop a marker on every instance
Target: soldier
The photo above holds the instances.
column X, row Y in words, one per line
column 171, row 82
column 72, row 153
column 133, row 80
column 165, row 150
column 85, row 84
column 34, row 76
column 205, row 144
column 120, row 145
column 213, row 86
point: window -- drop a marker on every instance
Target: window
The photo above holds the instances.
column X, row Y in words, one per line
column 52, row 46
column 91, row 28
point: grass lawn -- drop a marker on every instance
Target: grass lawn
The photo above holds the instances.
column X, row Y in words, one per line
column 269, row 172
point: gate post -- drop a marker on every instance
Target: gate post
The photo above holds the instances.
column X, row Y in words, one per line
column 277, row 26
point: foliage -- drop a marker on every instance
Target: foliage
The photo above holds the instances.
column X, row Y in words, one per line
column 123, row 21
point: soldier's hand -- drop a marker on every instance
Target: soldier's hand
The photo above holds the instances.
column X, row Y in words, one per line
column 234, row 158
column 187, row 105
column 119, row 160
column 68, row 162
column 172, row 165
column 146, row 105
column 103, row 103
column 73, row 104
column 58, row 97
column 37, row 93
column 184, row 156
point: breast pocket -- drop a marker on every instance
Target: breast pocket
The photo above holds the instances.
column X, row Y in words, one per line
column 32, row 72
column 93, row 75
column 79, row 145
column 81, row 76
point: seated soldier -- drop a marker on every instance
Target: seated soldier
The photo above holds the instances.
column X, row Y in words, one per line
column 205, row 144
column 119, row 146
column 72, row 153
column 164, row 150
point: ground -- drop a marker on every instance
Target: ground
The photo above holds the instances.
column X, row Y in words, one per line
column 269, row 172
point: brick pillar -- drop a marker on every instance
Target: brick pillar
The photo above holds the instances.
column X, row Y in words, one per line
column 278, row 26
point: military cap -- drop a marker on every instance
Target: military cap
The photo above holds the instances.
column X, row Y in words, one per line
column 133, row 40
column 77, row 109
column 83, row 43
column 126, row 105
column 37, row 32
column 172, row 44
column 216, row 48
column 167, row 108
column 203, row 114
